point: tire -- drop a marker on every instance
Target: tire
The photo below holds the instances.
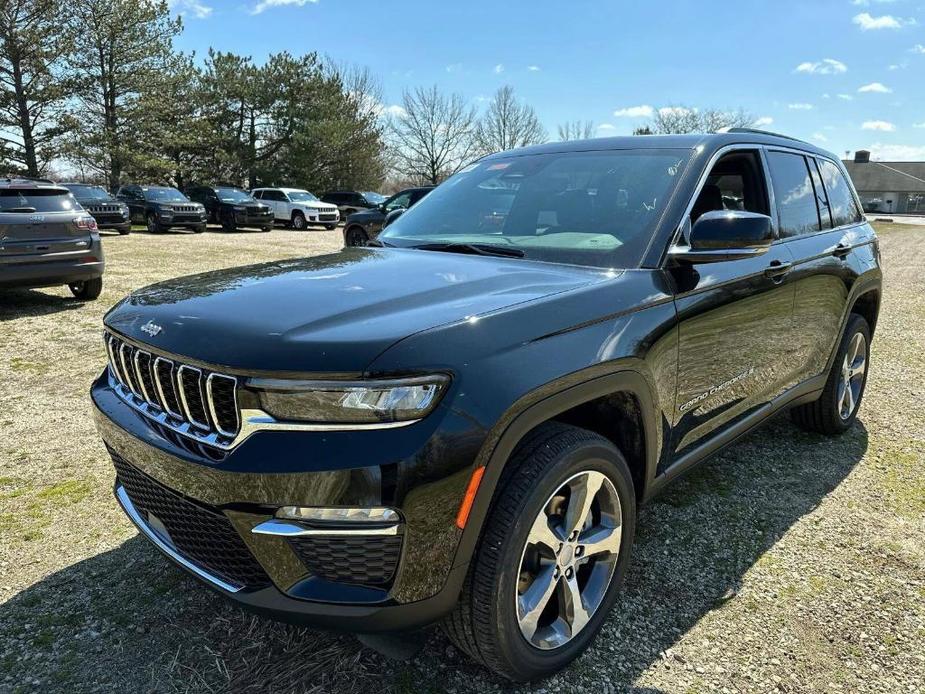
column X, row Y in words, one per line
column 298, row 221
column 330, row 227
column 485, row 622
column 355, row 236
column 198, row 230
column 228, row 223
column 87, row 290
column 153, row 226
column 125, row 232
column 832, row 413
column 266, row 228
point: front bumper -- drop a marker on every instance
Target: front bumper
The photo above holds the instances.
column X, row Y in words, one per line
column 246, row 219
column 243, row 488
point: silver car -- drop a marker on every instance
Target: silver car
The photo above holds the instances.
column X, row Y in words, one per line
column 47, row 239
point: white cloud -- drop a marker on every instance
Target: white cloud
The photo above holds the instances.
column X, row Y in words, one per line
column 826, row 66
column 881, row 125
column 845, row 97
column 635, row 112
column 800, row 107
column 763, row 122
column 819, row 137
column 881, row 152
column 875, row 87
column 394, row 110
column 919, row 125
column 533, row 68
column 499, row 68
column 606, row 127
column 867, row 22
column 454, row 67
column 194, row 7
column 675, row 111
column 918, row 48
column 264, row 5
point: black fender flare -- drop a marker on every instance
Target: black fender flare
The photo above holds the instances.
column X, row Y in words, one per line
column 540, row 406
column 863, row 285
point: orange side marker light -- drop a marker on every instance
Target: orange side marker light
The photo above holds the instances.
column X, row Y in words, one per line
column 466, row 506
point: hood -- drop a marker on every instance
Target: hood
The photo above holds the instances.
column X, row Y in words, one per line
column 373, row 214
column 317, row 204
column 332, row 313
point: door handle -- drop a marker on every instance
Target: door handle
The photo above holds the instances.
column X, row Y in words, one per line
column 841, row 250
column 776, row 270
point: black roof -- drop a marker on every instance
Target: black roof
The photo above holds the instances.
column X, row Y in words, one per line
column 711, row 141
column 887, row 176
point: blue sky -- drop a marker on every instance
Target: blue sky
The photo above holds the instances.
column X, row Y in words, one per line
column 846, row 74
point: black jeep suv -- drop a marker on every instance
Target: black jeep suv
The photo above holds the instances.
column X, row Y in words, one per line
column 363, row 227
column 350, row 201
column 108, row 212
column 232, row 207
column 162, row 207
column 460, row 423
column 47, row 239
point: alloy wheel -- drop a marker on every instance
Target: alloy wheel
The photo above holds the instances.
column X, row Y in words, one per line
column 852, row 376
column 569, row 560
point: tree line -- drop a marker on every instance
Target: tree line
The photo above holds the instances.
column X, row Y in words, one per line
column 97, row 89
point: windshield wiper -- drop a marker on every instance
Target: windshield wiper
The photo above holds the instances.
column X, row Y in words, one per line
column 472, row 249
column 379, row 243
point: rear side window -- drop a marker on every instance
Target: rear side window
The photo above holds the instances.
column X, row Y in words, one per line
column 841, row 199
column 794, row 193
column 32, row 200
column 822, row 200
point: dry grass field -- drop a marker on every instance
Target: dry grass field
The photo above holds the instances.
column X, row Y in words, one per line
column 789, row 563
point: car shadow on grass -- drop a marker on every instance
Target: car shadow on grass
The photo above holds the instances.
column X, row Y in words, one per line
column 23, row 303
column 128, row 619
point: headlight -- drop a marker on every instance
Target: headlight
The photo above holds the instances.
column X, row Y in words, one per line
column 351, row 402
column 165, row 213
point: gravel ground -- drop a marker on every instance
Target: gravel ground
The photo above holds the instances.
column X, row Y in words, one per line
column 790, row 563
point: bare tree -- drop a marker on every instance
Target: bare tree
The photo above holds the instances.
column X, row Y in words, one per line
column 434, row 135
column 508, row 124
column 576, row 130
column 678, row 120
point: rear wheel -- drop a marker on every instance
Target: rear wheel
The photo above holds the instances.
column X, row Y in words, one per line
column 355, row 236
column 552, row 556
column 87, row 290
column 153, row 226
column 837, row 407
column 298, row 221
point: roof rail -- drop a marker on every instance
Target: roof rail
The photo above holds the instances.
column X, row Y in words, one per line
column 758, row 131
column 11, row 178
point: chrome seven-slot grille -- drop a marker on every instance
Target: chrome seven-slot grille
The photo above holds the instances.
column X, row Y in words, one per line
column 204, row 403
column 103, row 209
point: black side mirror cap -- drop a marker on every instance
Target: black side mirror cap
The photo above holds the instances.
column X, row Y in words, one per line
column 721, row 235
column 392, row 216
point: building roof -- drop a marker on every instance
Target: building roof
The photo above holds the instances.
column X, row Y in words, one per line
column 888, row 176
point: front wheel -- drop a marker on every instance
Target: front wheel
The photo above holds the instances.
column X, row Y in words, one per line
column 298, row 221
column 356, row 237
column 87, row 290
column 228, row 223
column 552, row 556
column 330, row 227
column 837, row 408
column 153, row 226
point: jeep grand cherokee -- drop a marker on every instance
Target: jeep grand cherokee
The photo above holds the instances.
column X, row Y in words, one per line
column 460, row 423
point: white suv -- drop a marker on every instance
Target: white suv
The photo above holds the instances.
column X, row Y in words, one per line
column 298, row 207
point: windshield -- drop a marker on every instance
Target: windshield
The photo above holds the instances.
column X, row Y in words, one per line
column 164, row 195
column 585, row 208
column 86, row 192
column 233, row 195
column 374, row 198
column 37, row 200
column 301, row 196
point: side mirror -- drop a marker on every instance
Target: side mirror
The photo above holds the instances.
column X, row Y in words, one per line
column 392, row 216
column 721, row 235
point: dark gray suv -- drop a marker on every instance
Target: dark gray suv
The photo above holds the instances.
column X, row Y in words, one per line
column 47, row 239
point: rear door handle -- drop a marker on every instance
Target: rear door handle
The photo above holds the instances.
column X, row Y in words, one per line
column 776, row 270
column 841, row 250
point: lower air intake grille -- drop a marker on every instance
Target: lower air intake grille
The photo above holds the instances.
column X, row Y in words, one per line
column 200, row 533
column 370, row 560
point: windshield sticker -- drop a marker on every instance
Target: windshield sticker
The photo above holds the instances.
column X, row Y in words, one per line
column 499, row 167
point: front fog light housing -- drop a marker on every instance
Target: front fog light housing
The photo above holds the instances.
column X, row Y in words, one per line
column 353, row 402
column 339, row 514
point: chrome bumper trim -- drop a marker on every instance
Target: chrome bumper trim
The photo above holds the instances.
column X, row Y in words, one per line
column 281, row 528
column 166, row 548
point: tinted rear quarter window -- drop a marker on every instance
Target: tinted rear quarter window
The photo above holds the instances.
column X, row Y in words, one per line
column 841, row 199
column 31, row 200
column 794, row 193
